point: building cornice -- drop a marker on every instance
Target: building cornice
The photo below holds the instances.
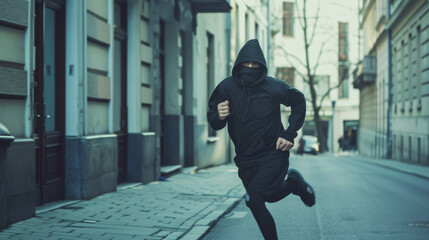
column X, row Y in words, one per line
column 378, row 41
column 401, row 11
column 365, row 12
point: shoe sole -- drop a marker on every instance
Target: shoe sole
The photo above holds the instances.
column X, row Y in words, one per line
column 306, row 187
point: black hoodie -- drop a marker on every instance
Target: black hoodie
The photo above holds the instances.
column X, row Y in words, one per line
column 254, row 123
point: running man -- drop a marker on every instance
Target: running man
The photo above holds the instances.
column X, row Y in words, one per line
column 249, row 102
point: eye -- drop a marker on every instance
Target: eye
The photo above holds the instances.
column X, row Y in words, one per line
column 255, row 65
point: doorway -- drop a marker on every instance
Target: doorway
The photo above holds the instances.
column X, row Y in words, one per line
column 120, row 87
column 49, row 107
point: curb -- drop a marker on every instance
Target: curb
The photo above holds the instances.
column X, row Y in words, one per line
column 200, row 231
column 393, row 167
column 397, row 169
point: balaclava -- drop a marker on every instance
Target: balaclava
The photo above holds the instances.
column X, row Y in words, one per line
column 250, row 75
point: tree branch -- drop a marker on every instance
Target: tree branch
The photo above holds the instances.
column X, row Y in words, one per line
column 322, row 48
column 303, row 76
column 300, row 19
column 316, row 20
column 329, row 90
column 291, row 55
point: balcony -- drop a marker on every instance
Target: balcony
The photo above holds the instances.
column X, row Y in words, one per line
column 366, row 72
column 210, row 6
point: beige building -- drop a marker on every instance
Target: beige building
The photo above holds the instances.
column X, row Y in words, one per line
column 371, row 77
column 394, row 100
column 101, row 92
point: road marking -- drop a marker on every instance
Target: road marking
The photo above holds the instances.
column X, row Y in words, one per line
column 319, row 223
column 419, row 224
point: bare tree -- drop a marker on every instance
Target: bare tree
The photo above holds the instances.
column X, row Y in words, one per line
column 309, row 74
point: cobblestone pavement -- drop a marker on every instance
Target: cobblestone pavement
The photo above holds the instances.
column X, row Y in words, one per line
column 183, row 207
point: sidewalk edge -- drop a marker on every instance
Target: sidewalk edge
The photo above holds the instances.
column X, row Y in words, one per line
column 407, row 171
column 190, row 235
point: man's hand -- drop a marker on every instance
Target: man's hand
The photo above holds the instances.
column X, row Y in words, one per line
column 223, row 110
column 283, row 144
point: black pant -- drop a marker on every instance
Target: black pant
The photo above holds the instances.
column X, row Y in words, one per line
column 265, row 183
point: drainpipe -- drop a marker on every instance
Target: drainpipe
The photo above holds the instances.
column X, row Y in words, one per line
column 268, row 36
column 228, row 43
column 390, row 87
column 228, row 69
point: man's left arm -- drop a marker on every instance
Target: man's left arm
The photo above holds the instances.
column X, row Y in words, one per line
column 295, row 99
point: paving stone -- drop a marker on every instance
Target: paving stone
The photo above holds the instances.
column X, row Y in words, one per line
column 210, row 218
column 6, row 235
column 162, row 234
column 195, row 232
column 91, row 237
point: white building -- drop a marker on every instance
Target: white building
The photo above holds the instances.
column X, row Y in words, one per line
column 334, row 22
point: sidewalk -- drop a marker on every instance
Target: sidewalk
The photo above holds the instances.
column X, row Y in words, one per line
column 414, row 169
column 183, row 207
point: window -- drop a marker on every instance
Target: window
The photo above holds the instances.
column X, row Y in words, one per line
column 322, row 83
column 343, row 75
column 343, row 47
column 401, row 147
column 286, row 74
column 246, row 26
column 410, row 72
column 402, row 89
column 394, row 146
column 394, row 79
column 288, row 19
column 256, row 30
column 419, row 142
column 343, row 90
column 210, row 72
column 410, row 148
column 120, row 68
column 237, row 30
column 418, row 68
column 182, row 61
column 343, row 55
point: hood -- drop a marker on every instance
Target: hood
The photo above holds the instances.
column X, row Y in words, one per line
column 250, row 52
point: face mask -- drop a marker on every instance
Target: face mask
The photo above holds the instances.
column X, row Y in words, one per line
column 249, row 75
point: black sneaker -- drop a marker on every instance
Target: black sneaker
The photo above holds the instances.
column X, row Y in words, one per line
column 304, row 191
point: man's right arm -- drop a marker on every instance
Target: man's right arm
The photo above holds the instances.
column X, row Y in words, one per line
column 218, row 113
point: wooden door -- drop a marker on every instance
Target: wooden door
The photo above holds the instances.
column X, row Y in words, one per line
column 49, row 92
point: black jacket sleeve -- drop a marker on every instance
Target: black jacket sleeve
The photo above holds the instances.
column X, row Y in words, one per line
column 212, row 114
column 295, row 99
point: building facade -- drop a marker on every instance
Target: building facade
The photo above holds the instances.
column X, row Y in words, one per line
column 373, row 81
column 98, row 92
column 393, row 80
column 334, row 46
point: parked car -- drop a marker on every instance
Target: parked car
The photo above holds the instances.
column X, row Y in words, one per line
column 308, row 144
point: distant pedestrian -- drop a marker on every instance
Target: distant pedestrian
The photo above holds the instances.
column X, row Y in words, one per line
column 249, row 102
column 340, row 143
column 301, row 145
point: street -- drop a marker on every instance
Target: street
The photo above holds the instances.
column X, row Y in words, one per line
column 354, row 200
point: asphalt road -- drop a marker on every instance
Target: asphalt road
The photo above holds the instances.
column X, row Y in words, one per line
column 354, row 200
